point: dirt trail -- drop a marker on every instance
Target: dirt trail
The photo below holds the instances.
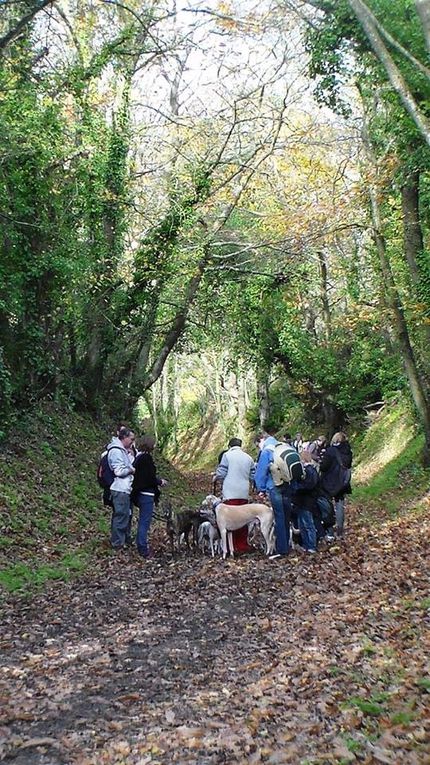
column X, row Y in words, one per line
column 305, row 660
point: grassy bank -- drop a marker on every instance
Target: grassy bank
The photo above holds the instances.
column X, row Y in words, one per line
column 52, row 522
column 388, row 472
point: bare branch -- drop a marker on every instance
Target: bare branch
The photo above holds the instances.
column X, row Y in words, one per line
column 22, row 23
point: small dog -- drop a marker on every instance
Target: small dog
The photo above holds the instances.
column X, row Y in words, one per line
column 209, row 534
column 232, row 517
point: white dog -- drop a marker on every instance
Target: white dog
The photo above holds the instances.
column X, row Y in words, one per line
column 209, row 533
column 232, row 517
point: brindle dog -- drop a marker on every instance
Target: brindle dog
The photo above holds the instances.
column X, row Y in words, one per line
column 181, row 523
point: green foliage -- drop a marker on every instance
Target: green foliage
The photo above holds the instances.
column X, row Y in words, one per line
column 369, row 707
column 402, row 718
column 424, row 682
column 353, row 745
column 23, row 577
column 328, row 43
column 90, row 286
column 5, row 394
column 55, row 453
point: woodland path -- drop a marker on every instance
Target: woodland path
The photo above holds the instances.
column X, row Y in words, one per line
column 194, row 661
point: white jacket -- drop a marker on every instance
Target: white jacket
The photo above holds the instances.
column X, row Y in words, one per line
column 236, row 470
column 121, row 465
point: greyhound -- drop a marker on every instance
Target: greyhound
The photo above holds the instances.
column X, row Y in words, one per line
column 231, row 517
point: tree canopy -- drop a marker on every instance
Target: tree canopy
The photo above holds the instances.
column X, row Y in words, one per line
column 237, row 192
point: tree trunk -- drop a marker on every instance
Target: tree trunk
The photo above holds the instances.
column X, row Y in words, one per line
column 263, row 397
column 392, row 298
column 153, row 394
column 413, row 243
column 423, row 9
column 178, row 325
column 217, row 386
column 412, row 234
column 241, row 405
column 324, row 295
column 366, row 19
column 416, row 383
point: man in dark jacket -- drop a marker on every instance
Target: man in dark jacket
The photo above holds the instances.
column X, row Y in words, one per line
column 335, row 468
column 305, row 503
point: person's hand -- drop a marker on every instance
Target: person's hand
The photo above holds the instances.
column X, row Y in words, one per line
column 261, row 495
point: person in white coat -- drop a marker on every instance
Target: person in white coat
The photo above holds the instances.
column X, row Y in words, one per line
column 120, row 462
column 236, row 471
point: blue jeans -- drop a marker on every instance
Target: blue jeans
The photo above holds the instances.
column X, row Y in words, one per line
column 146, row 508
column 307, row 529
column 120, row 525
column 281, row 503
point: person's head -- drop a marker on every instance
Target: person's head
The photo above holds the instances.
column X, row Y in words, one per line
column 234, row 442
column 306, row 457
column 126, row 436
column 287, row 437
column 260, row 439
column 147, row 443
column 269, row 431
column 322, row 440
column 338, row 438
column 298, row 436
column 257, row 440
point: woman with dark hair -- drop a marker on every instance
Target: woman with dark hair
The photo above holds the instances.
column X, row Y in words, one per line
column 146, row 492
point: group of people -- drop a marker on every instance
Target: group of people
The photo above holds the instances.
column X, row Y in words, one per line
column 313, row 503
column 135, row 481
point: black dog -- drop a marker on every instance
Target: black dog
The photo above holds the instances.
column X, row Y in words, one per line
column 182, row 522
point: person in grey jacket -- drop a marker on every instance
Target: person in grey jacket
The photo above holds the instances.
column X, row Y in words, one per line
column 120, row 462
column 236, row 470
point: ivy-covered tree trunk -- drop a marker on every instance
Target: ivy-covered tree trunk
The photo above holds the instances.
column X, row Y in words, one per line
column 413, row 247
column 423, row 8
column 416, row 382
column 107, row 190
column 263, row 397
column 326, row 315
column 412, row 233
